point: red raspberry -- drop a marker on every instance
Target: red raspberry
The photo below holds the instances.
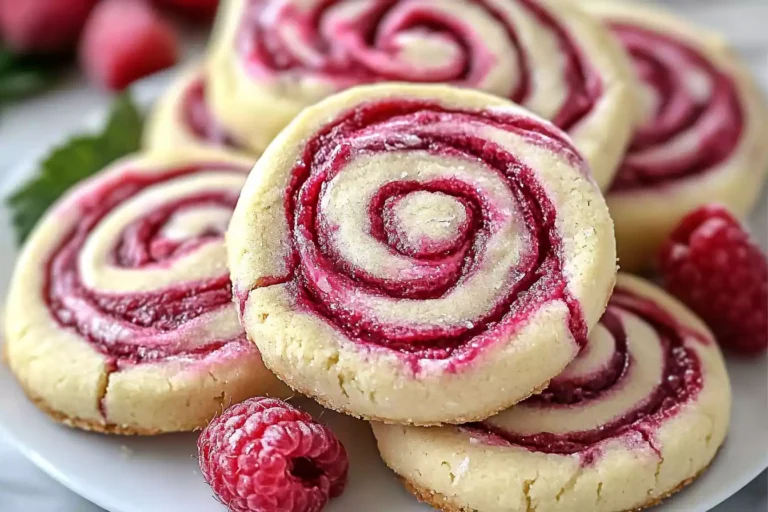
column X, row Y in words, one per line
column 125, row 40
column 43, row 26
column 197, row 9
column 264, row 455
column 711, row 264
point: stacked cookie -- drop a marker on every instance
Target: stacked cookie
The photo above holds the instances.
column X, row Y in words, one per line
column 438, row 257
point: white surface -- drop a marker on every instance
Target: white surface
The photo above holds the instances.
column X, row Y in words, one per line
column 160, row 474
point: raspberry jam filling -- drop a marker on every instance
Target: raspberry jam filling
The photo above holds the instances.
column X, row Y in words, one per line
column 694, row 118
column 411, row 231
column 610, row 369
column 199, row 119
column 143, row 326
column 478, row 45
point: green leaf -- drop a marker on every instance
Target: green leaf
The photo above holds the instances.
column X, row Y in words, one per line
column 21, row 83
column 77, row 159
column 7, row 60
column 24, row 75
column 123, row 131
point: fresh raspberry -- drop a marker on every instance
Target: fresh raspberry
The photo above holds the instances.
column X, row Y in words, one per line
column 711, row 264
column 264, row 455
column 125, row 40
column 196, row 9
column 43, row 26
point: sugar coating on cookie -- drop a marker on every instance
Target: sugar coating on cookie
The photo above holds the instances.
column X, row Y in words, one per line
column 701, row 136
column 270, row 59
column 119, row 316
column 182, row 118
column 420, row 254
column 636, row 416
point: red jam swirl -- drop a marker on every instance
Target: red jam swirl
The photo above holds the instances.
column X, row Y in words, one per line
column 331, row 287
column 680, row 383
column 199, row 119
column 696, row 117
column 366, row 46
column 132, row 328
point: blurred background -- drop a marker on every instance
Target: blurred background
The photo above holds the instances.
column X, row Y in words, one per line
column 61, row 59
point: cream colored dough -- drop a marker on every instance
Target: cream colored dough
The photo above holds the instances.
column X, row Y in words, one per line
column 645, row 217
column 165, row 129
column 456, row 470
column 68, row 378
column 257, row 106
column 317, row 359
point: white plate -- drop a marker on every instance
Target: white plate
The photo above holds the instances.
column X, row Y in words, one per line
column 161, row 474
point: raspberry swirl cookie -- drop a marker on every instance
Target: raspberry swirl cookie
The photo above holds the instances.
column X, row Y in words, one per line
column 181, row 118
column 119, row 317
column 639, row 414
column 702, row 137
column 420, row 254
column 271, row 58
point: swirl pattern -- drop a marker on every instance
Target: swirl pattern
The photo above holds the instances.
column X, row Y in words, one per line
column 199, row 120
column 183, row 118
column 93, row 286
column 471, row 44
column 523, row 50
column 423, row 229
column 646, row 402
column 694, row 116
column 700, row 139
column 637, row 370
column 131, row 267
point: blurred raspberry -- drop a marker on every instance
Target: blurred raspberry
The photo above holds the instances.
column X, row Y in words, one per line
column 196, row 9
column 43, row 26
column 264, row 455
column 125, row 40
column 711, row 264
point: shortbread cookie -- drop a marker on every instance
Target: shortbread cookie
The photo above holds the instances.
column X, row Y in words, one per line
column 181, row 118
column 420, row 254
column 702, row 138
column 119, row 316
column 271, row 58
column 636, row 416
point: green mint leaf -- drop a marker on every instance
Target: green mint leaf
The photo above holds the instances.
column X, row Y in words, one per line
column 7, row 60
column 21, row 83
column 24, row 75
column 123, row 131
column 75, row 160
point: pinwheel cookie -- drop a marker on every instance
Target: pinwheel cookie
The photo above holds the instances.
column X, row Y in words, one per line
column 420, row 254
column 181, row 118
column 271, row 58
column 702, row 138
column 119, row 317
column 639, row 414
